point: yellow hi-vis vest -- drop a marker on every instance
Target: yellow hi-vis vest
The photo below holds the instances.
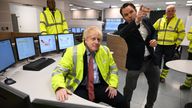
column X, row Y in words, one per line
column 52, row 24
column 189, row 37
column 169, row 33
column 68, row 73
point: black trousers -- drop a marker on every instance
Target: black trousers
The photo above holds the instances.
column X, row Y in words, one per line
column 188, row 105
column 102, row 96
column 165, row 51
column 151, row 72
column 189, row 58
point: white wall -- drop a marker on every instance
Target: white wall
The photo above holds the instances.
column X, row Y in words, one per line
column 183, row 13
column 187, row 27
column 85, row 23
column 31, row 2
column 28, row 17
column 85, row 14
column 5, row 17
column 112, row 13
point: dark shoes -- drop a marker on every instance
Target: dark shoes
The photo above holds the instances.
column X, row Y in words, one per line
column 183, row 87
column 188, row 105
column 148, row 106
column 162, row 80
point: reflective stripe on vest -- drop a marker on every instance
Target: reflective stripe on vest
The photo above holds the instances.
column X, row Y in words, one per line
column 47, row 23
column 59, row 70
column 75, row 81
column 46, row 20
column 164, row 30
column 111, row 67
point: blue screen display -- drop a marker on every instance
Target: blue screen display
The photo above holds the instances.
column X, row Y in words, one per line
column 73, row 30
column 82, row 29
column 25, row 47
column 78, row 30
column 65, row 41
column 47, row 43
column 112, row 25
column 7, row 57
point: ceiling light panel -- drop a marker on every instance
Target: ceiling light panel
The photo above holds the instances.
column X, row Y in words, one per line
column 98, row 2
column 170, row 3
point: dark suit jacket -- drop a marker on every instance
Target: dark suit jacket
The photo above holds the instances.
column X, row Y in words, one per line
column 136, row 44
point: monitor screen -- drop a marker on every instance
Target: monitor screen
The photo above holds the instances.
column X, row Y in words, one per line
column 73, row 30
column 69, row 30
column 25, row 47
column 7, row 57
column 40, row 103
column 78, row 30
column 82, row 30
column 111, row 24
column 65, row 41
column 12, row 98
column 47, row 43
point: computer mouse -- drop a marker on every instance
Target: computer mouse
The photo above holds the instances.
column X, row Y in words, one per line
column 9, row 81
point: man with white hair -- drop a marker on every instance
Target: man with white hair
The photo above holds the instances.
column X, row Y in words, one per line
column 171, row 32
column 89, row 71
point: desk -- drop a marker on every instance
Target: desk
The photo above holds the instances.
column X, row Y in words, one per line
column 38, row 84
column 184, row 66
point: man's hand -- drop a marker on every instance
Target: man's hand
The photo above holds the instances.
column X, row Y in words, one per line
column 112, row 92
column 62, row 94
column 139, row 15
column 143, row 11
column 153, row 43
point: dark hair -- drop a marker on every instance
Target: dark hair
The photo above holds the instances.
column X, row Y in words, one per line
column 127, row 4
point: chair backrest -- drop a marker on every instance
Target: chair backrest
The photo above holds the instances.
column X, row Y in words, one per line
column 119, row 48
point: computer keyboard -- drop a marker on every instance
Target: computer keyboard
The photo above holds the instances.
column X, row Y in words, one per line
column 38, row 64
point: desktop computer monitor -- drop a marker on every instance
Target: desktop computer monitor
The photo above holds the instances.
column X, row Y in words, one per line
column 65, row 41
column 73, row 30
column 82, row 30
column 7, row 58
column 12, row 98
column 40, row 103
column 112, row 25
column 78, row 30
column 25, row 47
column 69, row 30
column 47, row 43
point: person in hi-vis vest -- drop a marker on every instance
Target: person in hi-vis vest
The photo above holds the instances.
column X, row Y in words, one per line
column 171, row 32
column 52, row 21
column 89, row 71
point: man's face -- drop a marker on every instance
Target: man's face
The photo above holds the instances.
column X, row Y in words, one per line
column 93, row 41
column 129, row 14
column 170, row 12
column 51, row 4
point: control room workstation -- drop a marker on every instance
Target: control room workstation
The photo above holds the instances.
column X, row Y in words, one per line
column 26, row 50
column 26, row 77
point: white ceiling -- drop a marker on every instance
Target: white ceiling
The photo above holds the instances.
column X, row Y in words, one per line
column 153, row 4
